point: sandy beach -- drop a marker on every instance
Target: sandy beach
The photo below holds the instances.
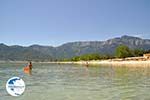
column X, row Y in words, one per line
column 122, row 63
column 111, row 62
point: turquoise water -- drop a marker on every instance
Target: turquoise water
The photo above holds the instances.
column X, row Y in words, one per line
column 77, row 82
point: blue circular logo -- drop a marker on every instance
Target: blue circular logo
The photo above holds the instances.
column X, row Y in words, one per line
column 15, row 86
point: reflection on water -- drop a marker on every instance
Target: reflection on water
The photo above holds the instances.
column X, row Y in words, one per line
column 75, row 82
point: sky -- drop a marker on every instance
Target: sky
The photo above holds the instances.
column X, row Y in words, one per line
column 54, row 22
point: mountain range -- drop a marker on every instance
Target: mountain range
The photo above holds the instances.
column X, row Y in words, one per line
column 68, row 50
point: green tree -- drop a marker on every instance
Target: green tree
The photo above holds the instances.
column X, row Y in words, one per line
column 92, row 56
column 138, row 52
column 123, row 51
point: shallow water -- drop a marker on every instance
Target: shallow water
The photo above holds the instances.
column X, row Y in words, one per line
column 77, row 82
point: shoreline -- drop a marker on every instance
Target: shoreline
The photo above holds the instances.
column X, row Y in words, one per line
column 130, row 63
column 111, row 63
column 120, row 63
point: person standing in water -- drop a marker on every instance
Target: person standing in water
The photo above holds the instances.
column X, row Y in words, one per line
column 28, row 68
column 30, row 65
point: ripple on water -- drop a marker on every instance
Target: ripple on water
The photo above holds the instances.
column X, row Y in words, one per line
column 70, row 82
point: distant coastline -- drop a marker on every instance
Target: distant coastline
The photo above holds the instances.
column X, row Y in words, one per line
column 124, row 57
column 109, row 62
column 118, row 63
